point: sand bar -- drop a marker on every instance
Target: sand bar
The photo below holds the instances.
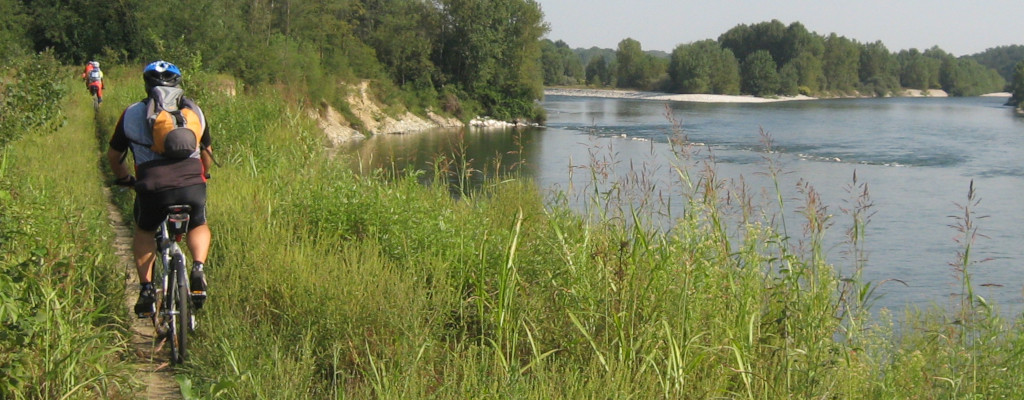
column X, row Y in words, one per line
column 697, row 98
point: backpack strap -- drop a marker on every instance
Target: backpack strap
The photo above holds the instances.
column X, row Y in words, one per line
column 180, row 119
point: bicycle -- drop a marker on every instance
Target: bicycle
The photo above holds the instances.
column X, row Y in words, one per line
column 94, row 92
column 173, row 318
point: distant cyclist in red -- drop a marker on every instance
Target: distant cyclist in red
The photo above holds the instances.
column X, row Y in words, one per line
column 93, row 77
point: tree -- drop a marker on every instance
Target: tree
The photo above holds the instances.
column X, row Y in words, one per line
column 629, row 59
column 810, row 77
column 80, row 30
column 491, row 48
column 840, row 64
column 759, row 75
column 690, row 67
column 1017, row 85
column 918, row 71
column 572, row 65
column 878, row 69
column 560, row 64
column 599, row 72
column 965, row 77
column 788, row 80
column 14, row 40
column 703, row 67
column 1003, row 59
column 798, row 41
column 635, row 69
column 399, row 31
column 744, row 40
column 725, row 77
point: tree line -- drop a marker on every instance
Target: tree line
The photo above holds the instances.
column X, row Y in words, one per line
column 770, row 58
column 1017, row 87
column 467, row 57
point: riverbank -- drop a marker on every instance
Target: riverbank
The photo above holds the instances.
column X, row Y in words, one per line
column 640, row 95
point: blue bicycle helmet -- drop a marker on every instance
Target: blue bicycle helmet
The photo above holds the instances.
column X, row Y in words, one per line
column 161, row 73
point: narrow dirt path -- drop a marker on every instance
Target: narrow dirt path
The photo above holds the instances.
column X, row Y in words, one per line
column 152, row 361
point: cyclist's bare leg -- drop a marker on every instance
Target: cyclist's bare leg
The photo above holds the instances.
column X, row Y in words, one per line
column 198, row 241
column 145, row 253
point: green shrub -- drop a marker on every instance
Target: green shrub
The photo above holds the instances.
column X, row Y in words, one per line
column 33, row 97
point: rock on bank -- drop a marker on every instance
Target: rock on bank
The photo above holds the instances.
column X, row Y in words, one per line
column 373, row 120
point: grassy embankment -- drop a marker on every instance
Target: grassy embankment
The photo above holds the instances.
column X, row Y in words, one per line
column 61, row 297
column 325, row 284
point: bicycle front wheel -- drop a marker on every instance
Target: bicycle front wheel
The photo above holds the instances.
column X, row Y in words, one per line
column 181, row 313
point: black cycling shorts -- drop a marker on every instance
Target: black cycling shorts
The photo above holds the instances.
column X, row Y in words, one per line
column 151, row 208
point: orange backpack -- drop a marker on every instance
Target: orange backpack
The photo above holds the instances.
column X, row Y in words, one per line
column 176, row 128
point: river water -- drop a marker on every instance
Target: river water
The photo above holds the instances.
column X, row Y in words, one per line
column 917, row 156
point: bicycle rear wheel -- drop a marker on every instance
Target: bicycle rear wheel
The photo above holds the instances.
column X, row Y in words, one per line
column 181, row 316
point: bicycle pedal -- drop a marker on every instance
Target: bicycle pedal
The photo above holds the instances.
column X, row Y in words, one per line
column 198, row 298
column 144, row 310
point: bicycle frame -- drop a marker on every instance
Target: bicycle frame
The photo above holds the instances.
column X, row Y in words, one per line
column 173, row 318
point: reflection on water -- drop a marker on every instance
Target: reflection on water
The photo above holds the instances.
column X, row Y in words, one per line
column 917, row 156
column 482, row 152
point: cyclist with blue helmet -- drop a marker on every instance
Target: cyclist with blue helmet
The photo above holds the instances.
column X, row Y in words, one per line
column 162, row 181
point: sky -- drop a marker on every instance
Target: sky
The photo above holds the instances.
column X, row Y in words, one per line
column 960, row 27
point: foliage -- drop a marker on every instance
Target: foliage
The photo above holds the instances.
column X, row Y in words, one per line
column 965, row 77
column 878, row 71
column 809, row 72
column 840, row 64
column 759, row 76
column 1017, row 85
column 1002, row 58
column 561, row 65
column 490, row 51
column 805, row 63
column 62, row 327
column 14, row 41
column 745, row 40
column 81, row 30
column 33, row 97
column 918, row 71
column 634, row 68
column 336, row 284
column 600, row 72
column 704, row 67
column 372, row 285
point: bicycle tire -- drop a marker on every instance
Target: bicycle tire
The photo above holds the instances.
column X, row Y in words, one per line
column 180, row 311
column 160, row 316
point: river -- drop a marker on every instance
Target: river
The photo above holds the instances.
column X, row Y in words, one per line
column 917, row 156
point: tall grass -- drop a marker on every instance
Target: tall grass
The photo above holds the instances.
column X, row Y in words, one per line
column 327, row 283
column 62, row 327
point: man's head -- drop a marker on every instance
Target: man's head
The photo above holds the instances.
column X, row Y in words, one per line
column 161, row 73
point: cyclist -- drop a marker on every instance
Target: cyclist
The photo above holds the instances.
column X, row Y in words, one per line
column 93, row 78
column 162, row 182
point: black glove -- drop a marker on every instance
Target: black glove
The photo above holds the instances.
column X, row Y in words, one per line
column 127, row 180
